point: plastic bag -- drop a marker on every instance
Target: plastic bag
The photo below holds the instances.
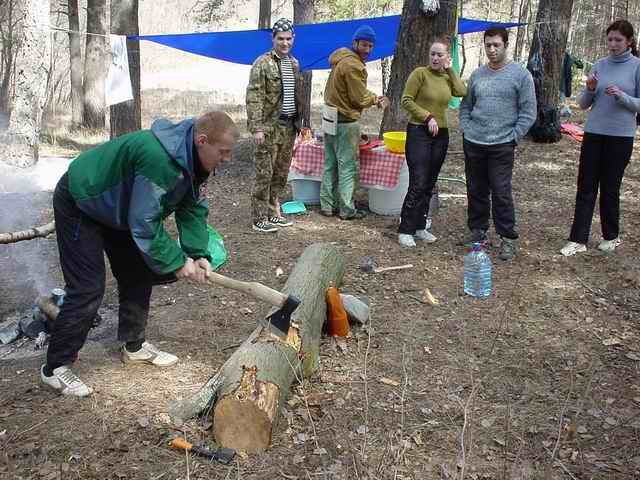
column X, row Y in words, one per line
column 216, row 248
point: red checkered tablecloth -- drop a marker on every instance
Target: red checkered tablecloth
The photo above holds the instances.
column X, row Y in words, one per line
column 379, row 168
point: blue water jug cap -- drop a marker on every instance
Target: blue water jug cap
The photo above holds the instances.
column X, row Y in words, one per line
column 477, row 246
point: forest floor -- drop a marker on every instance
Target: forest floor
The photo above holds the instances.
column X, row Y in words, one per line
column 539, row 381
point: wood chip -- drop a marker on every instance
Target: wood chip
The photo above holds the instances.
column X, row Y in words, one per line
column 389, row 381
column 429, row 298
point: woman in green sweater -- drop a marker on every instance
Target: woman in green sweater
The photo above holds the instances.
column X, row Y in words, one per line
column 425, row 98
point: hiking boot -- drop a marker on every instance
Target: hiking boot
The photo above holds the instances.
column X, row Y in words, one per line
column 280, row 222
column 474, row 236
column 65, row 382
column 357, row 215
column 264, row 227
column 425, row 235
column 571, row 248
column 406, row 240
column 150, row 354
column 508, row 248
column 609, row 245
column 326, row 213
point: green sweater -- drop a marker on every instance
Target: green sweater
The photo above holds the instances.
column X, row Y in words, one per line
column 427, row 92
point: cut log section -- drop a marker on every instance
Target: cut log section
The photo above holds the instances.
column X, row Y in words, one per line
column 252, row 385
column 30, row 234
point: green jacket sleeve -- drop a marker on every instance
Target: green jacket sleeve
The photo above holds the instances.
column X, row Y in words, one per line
column 191, row 219
column 161, row 253
column 255, row 97
column 408, row 102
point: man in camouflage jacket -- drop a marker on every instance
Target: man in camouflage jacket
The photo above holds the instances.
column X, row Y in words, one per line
column 273, row 118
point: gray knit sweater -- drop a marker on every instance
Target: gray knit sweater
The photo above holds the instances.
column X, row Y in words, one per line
column 500, row 105
column 610, row 115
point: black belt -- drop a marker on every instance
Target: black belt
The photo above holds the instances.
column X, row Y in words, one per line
column 286, row 118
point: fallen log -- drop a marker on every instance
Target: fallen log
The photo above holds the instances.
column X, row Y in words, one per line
column 29, row 234
column 252, row 385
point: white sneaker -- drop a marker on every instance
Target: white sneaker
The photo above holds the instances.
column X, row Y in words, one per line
column 149, row 354
column 425, row 235
column 609, row 245
column 571, row 248
column 65, row 382
column 406, row 240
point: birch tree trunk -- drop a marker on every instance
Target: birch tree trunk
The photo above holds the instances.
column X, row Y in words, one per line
column 21, row 139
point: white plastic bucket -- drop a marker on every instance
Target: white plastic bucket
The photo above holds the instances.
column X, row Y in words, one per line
column 389, row 202
column 306, row 191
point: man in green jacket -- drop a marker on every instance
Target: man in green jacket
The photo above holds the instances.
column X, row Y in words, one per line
column 346, row 95
column 273, row 118
column 114, row 200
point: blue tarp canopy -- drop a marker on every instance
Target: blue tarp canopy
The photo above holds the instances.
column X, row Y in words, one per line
column 313, row 44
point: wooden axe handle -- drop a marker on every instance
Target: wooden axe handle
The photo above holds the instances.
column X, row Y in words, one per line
column 254, row 289
column 386, row 269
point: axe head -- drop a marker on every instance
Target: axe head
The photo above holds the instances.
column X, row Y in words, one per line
column 224, row 455
column 280, row 320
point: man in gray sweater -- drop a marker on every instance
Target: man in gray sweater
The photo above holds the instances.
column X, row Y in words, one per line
column 499, row 109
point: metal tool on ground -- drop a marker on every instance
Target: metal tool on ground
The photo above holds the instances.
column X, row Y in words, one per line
column 278, row 321
column 222, row 455
column 369, row 265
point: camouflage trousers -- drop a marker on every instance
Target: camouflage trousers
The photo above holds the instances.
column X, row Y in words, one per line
column 272, row 161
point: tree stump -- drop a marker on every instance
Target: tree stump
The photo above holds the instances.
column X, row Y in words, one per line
column 252, row 385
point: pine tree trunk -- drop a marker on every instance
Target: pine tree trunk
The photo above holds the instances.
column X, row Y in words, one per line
column 412, row 50
column 21, row 139
column 549, row 43
column 264, row 17
column 75, row 57
column 303, row 13
column 259, row 374
column 8, row 52
column 95, row 66
column 126, row 116
column 255, row 380
column 522, row 30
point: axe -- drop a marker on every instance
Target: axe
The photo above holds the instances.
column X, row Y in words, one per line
column 222, row 455
column 279, row 320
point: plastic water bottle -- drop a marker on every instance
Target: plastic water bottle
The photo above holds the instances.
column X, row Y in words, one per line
column 477, row 272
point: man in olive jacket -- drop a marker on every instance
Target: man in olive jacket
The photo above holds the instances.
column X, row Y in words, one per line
column 273, row 118
column 114, row 200
column 346, row 91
